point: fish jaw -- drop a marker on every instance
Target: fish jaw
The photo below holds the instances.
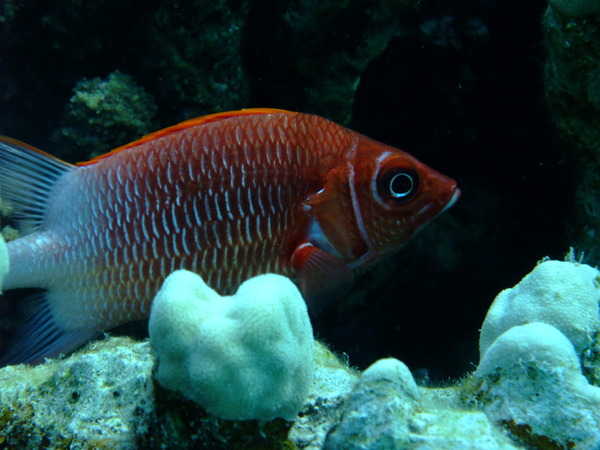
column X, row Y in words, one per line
column 439, row 194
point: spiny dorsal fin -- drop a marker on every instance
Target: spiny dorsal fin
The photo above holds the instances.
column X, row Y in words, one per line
column 182, row 126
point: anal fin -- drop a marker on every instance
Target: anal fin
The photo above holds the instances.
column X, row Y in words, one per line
column 38, row 336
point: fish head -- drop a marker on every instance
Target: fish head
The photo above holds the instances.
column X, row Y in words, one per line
column 373, row 201
column 393, row 196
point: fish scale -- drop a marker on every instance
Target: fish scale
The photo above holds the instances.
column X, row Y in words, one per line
column 224, row 228
column 228, row 196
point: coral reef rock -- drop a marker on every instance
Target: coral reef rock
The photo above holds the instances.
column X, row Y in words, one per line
column 101, row 397
column 576, row 7
column 104, row 396
column 377, row 412
column 559, row 293
column 529, row 390
column 534, row 341
column 387, row 410
column 105, row 113
column 333, row 76
column 4, row 264
column 532, row 383
column 195, row 50
column 572, row 84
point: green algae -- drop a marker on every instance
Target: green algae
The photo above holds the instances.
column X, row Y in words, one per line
column 331, row 63
column 197, row 52
column 105, row 113
column 590, row 361
column 572, row 83
column 105, row 396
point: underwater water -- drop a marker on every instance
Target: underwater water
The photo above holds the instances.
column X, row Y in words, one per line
column 457, row 85
column 464, row 86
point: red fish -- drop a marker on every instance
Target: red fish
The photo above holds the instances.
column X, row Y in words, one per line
column 228, row 196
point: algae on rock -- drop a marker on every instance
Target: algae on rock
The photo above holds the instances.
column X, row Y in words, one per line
column 192, row 57
column 572, row 83
column 105, row 113
column 534, row 341
column 102, row 397
column 332, row 63
column 105, row 396
column 196, row 51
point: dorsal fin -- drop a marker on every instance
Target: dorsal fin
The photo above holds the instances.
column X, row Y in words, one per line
column 182, row 126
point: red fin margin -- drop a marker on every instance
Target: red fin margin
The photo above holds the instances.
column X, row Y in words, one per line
column 182, row 126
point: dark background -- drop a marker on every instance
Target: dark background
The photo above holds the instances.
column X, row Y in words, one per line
column 460, row 86
column 473, row 108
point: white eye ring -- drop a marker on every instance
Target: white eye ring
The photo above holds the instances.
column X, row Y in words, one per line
column 401, row 185
column 397, row 185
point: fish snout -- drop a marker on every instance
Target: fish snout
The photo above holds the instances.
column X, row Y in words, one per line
column 439, row 193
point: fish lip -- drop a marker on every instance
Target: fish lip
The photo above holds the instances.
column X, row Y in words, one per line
column 455, row 196
column 456, row 193
column 417, row 220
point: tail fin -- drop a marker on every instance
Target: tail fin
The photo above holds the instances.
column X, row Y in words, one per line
column 27, row 176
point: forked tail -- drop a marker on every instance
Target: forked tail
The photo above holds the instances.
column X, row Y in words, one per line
column 27, row 179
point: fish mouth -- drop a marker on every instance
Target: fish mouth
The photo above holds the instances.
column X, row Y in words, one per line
column 456, row 193
column 428, row 214
column 455, row 196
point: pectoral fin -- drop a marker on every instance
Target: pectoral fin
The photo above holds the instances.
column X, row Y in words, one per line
column 323, row 278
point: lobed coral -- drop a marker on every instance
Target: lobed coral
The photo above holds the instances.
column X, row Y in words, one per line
column 559, row 293
column 248, row 356
column 529, row 378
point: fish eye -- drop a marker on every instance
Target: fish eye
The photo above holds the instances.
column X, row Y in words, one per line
column 398, row 185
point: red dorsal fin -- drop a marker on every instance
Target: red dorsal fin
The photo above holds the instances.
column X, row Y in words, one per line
column 182, row 126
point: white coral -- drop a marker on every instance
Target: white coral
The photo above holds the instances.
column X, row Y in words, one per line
column 249, row 356
column 530, row 344
column 562, row 294
column 533, row 379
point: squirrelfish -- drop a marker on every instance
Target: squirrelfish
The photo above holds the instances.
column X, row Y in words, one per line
column 228, row 196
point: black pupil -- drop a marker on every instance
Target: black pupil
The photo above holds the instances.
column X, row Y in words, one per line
column 401, row 185
column 398, row 185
